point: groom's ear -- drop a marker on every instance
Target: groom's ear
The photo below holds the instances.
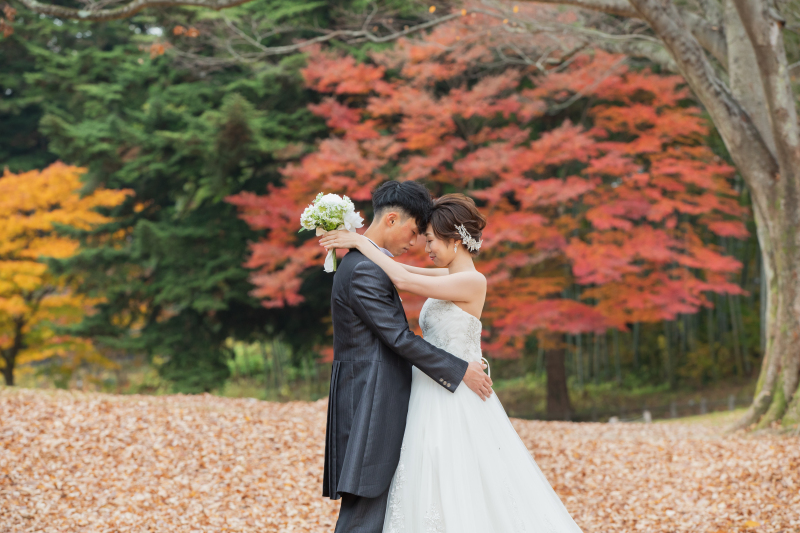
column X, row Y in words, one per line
column 392, row 218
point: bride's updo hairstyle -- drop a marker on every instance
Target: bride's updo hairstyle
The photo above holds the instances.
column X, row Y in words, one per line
column 453, row 210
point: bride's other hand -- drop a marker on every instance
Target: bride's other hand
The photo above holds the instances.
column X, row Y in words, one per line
column 477, row 380
column 342, row 239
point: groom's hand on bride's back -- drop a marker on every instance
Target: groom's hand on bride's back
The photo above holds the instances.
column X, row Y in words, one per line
column 477, row 380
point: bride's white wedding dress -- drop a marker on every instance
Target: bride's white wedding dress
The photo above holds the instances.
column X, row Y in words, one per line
column 463, row 468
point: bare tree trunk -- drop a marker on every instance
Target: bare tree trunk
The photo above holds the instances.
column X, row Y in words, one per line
column 744, row 85
column 8, row 369
column 764, row 30
column 540, row 357
column 762, row 306
column 737, row 348
column 737, row 307
column 669, row 344
column 579, row 359
column 617, row 362
column 277, row 352
column 558, row 404
column 749, row 92
column 265, row 359
column 10, row 354
column 710, row 329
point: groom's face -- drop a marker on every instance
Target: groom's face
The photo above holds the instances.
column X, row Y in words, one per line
column 401, row 233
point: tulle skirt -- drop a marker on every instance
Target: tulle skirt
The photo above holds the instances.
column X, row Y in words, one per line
column 464, row 469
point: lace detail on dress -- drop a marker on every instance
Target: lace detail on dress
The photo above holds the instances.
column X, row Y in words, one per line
column 473, row 338
column 444, row 326
column 519, row 526
column 433, row 521
column 396, row 524
column 432, row 313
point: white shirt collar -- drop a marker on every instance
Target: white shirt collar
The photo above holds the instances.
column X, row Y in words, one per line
column 384, row 250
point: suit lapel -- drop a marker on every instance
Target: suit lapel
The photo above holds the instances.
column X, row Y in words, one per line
column 399, row 303
column 395, row 295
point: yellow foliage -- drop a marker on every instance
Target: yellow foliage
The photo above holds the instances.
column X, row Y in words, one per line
column 33, row 301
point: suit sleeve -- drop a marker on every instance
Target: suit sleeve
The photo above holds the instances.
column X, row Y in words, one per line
column 372, row 299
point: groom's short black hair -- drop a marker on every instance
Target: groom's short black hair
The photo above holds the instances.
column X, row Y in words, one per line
column 408, row 196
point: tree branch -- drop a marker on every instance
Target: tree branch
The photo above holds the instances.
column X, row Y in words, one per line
column 124, row 11
column 652, row 52
column 710, row 34
column 622, row 8
column 764, row 29
column 637, row 45
column 265, row 51
column 581, row 93
column 712, row 10
column 744, row 143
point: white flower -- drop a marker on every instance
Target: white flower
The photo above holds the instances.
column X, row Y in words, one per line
column 352, row 220
column 331, row 200
column 307, row 218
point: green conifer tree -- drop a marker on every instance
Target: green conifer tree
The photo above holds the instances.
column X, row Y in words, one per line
column 183, row 139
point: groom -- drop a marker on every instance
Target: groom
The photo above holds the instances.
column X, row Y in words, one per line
column 373, row 354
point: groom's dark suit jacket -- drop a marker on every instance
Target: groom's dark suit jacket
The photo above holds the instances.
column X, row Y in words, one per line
column 373, row 351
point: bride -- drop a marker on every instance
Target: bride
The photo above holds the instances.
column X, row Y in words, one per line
column 462, row 468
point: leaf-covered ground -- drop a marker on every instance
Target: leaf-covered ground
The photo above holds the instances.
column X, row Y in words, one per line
column 96, row 462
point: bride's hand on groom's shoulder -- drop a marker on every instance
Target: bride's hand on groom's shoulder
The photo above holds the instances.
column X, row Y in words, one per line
column 477, row 380
column 341, row 239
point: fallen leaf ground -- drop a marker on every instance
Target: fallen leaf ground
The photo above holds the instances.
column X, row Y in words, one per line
column 96, row 462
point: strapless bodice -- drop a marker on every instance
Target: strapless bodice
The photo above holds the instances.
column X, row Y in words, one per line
column 447, row 326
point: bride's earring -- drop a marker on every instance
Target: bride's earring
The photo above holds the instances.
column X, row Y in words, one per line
column 455, row 248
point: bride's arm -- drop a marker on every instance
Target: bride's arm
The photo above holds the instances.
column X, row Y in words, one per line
column 425, row 271
column 460, row 287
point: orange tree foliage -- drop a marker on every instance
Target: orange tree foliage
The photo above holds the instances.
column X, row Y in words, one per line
column 600, row 214
column 33, row 302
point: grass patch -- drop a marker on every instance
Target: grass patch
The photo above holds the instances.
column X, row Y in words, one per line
column 718, row 419
column 525, row 397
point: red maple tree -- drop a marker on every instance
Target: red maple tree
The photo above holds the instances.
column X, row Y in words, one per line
column 602, row 197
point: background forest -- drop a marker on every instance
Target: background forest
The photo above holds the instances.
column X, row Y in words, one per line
column 156, row 167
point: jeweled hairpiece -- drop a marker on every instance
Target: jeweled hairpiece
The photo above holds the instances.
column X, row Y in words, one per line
column 467, row 239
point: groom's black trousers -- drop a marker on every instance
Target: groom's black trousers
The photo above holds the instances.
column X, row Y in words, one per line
column 362, row 515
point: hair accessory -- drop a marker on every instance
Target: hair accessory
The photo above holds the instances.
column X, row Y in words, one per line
column 467, row 239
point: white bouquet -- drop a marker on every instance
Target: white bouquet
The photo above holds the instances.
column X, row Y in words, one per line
column 327, row 213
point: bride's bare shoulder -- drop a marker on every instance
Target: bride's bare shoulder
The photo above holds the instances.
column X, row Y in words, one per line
column 472, row 277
